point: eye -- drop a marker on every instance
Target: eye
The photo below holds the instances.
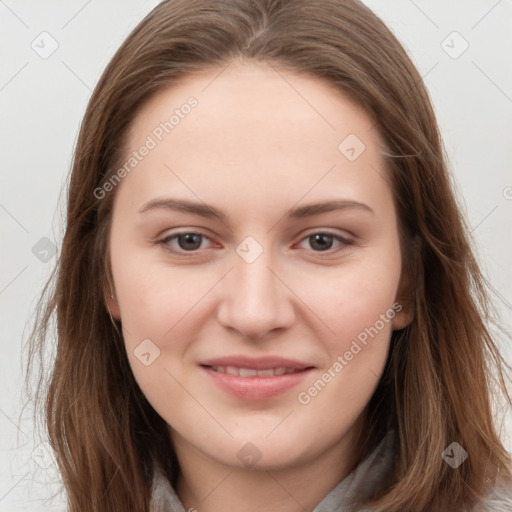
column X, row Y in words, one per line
column 191, row 241
column 322, row 241
column 184, row 242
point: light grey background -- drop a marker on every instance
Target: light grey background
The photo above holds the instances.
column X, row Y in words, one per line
column 42, row 101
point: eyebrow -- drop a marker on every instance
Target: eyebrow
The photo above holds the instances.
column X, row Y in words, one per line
column 209, row 211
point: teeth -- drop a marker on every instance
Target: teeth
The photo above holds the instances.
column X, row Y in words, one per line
column 246, row 372
column 231, row 370
column 251, row 372
column 266, row 373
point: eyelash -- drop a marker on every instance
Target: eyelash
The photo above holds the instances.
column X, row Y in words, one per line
column 164, row 242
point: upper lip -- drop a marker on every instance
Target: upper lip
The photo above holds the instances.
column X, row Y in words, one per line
column 256, row 363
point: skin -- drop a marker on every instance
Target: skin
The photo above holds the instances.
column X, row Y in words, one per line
column 255, row 147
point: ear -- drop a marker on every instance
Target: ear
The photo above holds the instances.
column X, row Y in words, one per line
column 109, row 294
column 109, row 291
column 112, row 305
column 404, row 313
column 404, row 300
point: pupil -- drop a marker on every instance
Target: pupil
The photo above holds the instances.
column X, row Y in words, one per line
column 322, row 241
column 189, row 241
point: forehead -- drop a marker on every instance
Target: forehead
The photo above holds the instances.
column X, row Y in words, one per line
column 255, row 130
column 259, row 97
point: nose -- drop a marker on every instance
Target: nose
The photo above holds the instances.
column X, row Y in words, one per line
column 255, row 300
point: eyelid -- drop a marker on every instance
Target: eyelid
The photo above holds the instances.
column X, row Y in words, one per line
column 329, row 231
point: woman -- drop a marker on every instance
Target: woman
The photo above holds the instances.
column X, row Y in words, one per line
column 266, row 298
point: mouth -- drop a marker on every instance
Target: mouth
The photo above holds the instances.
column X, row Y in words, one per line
column 255, row 379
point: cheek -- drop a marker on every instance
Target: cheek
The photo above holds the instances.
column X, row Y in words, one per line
column 352, row 298
column 162, row 309
column 154, row 297
column 357, row 304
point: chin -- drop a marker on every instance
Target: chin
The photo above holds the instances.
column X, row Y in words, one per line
column 277, row 452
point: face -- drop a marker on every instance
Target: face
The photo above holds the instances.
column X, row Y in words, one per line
column 256, row 264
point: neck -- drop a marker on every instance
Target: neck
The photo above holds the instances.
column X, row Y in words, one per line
column 206, row 485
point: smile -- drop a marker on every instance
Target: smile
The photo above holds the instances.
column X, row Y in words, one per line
column 255, row 378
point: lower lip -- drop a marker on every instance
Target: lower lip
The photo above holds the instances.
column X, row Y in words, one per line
column 256, row 388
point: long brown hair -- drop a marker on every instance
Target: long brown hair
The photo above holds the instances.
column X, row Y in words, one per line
column 437, row 387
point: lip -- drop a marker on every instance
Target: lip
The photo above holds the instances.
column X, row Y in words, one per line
column 259, row 387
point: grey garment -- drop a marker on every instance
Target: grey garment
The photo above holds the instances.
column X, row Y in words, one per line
column 500, row 500
column 362, row 482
